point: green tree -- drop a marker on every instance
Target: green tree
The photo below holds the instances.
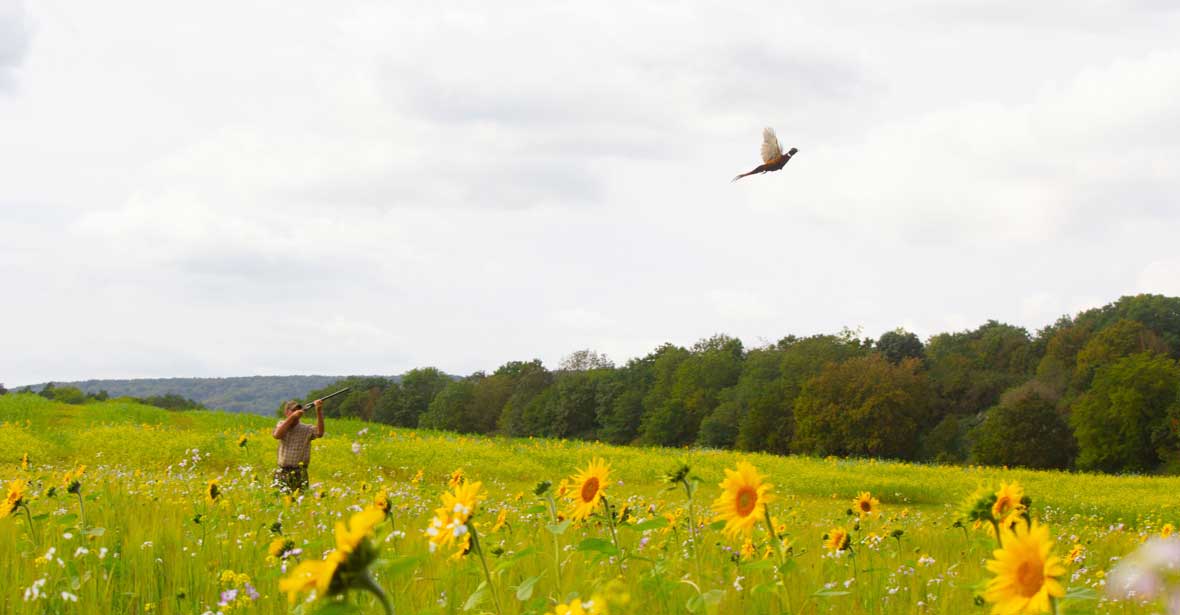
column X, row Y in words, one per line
column 451, row 408
column 971, row 369
column 898, row 345
column 619, row 399
column 1121, row 339
column 1125, row 421
column 772, row 381
column 419, row 387
column 686, row 392
column 865, row 406
column 1026, row 430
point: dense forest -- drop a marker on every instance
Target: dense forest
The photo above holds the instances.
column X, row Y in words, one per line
column 256, row 394
column 1096, row 391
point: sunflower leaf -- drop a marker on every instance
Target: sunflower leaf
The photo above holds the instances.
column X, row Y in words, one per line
column 650, row 524
column 598, row 545
column 559, row 528
column 524, row 591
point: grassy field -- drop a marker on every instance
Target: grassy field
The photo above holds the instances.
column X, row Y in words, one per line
column 142, row 536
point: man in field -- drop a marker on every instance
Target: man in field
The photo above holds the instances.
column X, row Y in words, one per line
column 295, row 445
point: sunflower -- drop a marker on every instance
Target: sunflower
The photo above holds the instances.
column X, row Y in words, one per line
column 1007, row 501
column 837, row 539
column 279, row 546
column 449, row 525
column 1026, row 573
column 748, row 550
column 308, row 575
column 243, row 440
column 501, row 520
column 212, row 491
column 1167, row 530
column 865, row 504
column 73, row 479
column 456, row 478
column 360, row 526
column 743, row 499
column 381, row 501
column 16, row 497
column 587, row 488
column 343, row 566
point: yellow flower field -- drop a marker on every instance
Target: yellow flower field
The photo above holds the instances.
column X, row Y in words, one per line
column 124, row 508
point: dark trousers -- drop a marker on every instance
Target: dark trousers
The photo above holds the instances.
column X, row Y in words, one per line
column 291, row 478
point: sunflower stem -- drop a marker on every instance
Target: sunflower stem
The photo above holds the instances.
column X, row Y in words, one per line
column 367, row 583
column 556, row 542
column 692, row 527
column 32, row 528
column 81, row 508
column 475, row 544
column 782, row 556
column 610, row 520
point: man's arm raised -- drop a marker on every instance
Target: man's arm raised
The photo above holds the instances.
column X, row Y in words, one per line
column 281, row 428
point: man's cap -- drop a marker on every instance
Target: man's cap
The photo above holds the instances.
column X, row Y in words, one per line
column 291, row 405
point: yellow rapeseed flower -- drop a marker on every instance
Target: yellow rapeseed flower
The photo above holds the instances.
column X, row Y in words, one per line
column 587, row 488
column 595, row 606
column 865, row 504
column 24, row 461
column 1167, row 530
column 743, row 499
column 1026, row 572
column 837, row 539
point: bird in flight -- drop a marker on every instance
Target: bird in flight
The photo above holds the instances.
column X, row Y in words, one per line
column 773, row 157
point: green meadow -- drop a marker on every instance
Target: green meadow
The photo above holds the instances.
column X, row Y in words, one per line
column 141, row 535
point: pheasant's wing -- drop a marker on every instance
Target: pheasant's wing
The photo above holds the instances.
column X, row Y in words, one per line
column 770, row 146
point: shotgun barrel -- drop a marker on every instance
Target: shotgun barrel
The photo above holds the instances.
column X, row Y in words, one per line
column 327, row 397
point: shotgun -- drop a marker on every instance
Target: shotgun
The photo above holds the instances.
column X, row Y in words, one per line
column 325, row 398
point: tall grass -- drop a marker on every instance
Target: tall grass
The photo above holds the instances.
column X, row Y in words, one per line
column 143, row 538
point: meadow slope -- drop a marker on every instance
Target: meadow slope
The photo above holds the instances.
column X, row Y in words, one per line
column 142, row 536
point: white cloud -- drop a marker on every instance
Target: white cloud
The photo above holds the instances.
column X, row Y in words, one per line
column 461, row 186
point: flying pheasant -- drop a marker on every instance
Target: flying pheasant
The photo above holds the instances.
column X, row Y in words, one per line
column 773, row 157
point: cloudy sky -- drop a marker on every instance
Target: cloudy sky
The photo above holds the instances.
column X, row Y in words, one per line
column 239, row 188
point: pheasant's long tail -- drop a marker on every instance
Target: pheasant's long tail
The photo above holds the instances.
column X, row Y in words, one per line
column 759, row 169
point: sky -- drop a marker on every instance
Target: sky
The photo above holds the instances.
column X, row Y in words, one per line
column 268, row 188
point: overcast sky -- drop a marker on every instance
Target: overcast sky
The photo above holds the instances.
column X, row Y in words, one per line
column 241, row 188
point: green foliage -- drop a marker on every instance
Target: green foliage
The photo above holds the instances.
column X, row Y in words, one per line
column 419, row 387
column 898, row 345
column 944, row 443
column 1126, row 421
column 1121, row 339
column 971, row 369
column 1025, row 429
column 255, row 394
column 865, row 406
column 767, row 395
column 687, row 388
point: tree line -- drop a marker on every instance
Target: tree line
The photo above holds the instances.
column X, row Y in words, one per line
column 1094, row 391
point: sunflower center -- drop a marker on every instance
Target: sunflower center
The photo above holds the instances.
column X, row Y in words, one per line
column 589, row 488
column 744, row 503
column 866, row 506
column 1029, row 578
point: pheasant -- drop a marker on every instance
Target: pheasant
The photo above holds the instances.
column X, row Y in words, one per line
column 773, row 157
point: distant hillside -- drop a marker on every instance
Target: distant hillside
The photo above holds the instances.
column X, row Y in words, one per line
column 253, row 394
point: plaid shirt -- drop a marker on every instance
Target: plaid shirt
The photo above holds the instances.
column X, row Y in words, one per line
column 295, row 445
